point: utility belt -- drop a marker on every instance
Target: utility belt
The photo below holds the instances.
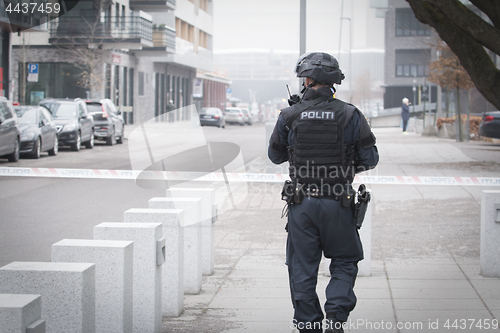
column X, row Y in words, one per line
column 294, row 193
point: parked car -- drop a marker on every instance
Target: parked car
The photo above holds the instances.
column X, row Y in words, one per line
column 38, row 131
column 74, row 123
column 109, row 125
column 490, row 125
column 212, row 117
column 235, row 116
column 248, row 117
column 9, row 132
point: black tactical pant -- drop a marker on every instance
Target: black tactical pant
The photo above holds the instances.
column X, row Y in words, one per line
column 319, row 226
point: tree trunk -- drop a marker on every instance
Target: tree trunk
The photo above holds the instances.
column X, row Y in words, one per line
column 459, row 116
column 447, row 102
column 470, row 51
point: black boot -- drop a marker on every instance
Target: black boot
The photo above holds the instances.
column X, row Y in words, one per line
column 333, row 325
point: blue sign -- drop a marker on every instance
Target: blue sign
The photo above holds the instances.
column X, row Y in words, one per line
column 32, row 68
column 228, row 90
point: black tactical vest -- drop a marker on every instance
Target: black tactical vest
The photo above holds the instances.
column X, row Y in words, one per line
column 318, row 155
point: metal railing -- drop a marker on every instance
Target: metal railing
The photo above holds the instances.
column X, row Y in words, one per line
column 100, row 26
column 170, row 3
column 167, row 38
column 429, row 107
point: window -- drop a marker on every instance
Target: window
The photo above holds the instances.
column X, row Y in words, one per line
column 46, row 114
column 203, row 39
column 141, row 84
column 412, row 62
column 117, row 14
column 123, row 16
column 81, row 110
column 408, row 25
column 125, row 82
column 131, row 87
column 107, row 83
column 117, row 85
column 5, row 112
column 40, row 118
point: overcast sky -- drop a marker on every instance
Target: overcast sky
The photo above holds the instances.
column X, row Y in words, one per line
column 275, row 24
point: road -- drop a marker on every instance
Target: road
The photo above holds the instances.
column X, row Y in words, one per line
column 38, row 212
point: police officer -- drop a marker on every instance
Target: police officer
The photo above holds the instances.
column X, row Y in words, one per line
column 326, row 141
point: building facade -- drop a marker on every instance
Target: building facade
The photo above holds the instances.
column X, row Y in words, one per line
column 409, row 49
column 408, row 53
column 141, row 54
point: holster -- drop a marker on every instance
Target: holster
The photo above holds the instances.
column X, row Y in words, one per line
column 347, row 197
column 287, row 192
column 361, row 205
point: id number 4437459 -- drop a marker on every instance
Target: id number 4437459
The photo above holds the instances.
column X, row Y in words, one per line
column 467, row 324
column 26, row 8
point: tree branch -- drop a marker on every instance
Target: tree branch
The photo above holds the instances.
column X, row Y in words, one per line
column 472, row 54
column 491, row 8
column 468, row 22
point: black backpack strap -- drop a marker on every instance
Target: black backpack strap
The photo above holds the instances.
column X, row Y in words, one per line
column 298, row 108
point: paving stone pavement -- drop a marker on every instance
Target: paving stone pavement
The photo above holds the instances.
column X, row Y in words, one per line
column 425, row 254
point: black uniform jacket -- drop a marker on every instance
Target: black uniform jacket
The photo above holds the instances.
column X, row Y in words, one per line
column 357, row 127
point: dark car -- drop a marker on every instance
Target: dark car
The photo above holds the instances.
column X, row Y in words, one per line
column 38, row 131
column 212, row 117
column 108, row 121
column 74, row 124
column 490, row 125
column 9, row 131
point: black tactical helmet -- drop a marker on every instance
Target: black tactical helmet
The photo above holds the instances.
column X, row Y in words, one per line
column 319, row 66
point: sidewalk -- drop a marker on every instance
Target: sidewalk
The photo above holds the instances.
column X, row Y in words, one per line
column 425, row 254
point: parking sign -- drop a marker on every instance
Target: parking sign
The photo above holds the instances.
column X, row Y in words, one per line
column 32, row 73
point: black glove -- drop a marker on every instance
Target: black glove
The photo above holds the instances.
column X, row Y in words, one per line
column 294, row 99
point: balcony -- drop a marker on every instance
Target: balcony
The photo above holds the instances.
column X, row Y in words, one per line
column 163, row 43
column 152, row 5
column 111, row 32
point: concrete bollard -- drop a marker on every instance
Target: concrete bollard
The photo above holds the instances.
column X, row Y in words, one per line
column 173, row 269
column 113, row 278
column 490, row 234
column 192, row 238
column 146, row 280
column 208, row 217
column 21, row 314
column 67, row 291
column 365, row 234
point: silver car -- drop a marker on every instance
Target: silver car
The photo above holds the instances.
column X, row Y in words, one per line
column 235, row 116
column 248, row 117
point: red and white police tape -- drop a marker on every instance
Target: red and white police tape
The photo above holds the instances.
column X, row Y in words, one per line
column 234, row 177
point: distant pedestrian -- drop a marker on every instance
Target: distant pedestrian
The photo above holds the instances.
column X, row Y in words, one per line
column 405, row 113
column 170, row 109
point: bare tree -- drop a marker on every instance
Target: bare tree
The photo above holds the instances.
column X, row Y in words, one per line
column 363, row 90
column 448, row 73
column 22, row 76
column 84, row 45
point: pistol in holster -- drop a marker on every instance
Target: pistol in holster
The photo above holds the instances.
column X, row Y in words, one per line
column 361, row 205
